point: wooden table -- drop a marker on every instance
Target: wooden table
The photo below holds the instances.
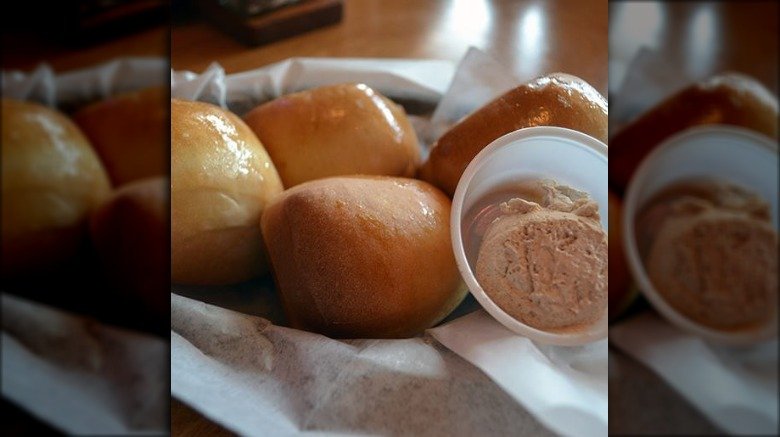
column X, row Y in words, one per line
column 531, row 38
column 24, row 51
column 701, row 38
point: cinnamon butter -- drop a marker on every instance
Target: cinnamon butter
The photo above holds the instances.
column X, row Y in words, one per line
column 710, row 249
column 542, row 257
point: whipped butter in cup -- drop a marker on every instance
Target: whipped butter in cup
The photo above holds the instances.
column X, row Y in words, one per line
column 529, row 224
column 697, row 229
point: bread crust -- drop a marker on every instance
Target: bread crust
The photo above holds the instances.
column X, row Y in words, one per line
column 51, row 181
column 336, row 130
column 221, row 180
column 558, row 99
column 730, row 98
column 130, row 232
column 130, row 134
column 362, row 256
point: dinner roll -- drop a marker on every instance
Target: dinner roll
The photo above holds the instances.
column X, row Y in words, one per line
column 729, row 98
column 129, row 133
column 221, row 180
column 51, row 181
column 130, row 233
column 336, row 130
column 558, row 99
column 363, row 256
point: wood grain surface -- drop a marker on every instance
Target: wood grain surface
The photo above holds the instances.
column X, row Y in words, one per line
column 530, row 37
column 701, row 38
column 24, row 51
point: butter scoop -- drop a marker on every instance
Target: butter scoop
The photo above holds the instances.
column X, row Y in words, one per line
column 711, row 251
column 544, row 260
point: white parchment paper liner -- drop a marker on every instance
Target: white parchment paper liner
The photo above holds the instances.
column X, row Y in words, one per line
column 373, row 386
column 76, row 87
column 423, row 80
column 257, row 378
column 74, row 373
column 81, row 376
column 735, row 388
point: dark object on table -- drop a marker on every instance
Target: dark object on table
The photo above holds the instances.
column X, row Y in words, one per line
column 249, row 8
column 272, row 25
column 91, row 21
column 35, row 30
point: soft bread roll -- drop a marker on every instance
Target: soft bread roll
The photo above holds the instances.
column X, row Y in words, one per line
column 221, row 180
column 129, row 133
column 730, row 98
column 363, row 256
column 336, row 130
column 130, row 233
column 555, row 100
column 51, row 181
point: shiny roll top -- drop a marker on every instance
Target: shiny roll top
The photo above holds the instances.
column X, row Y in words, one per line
column 336, row 130
column 558, row 99
column 51, row 181
column 730, row 98
column 221, row 179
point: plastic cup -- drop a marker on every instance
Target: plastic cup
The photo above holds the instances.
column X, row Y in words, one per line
column 570, row 158
column 723, row 153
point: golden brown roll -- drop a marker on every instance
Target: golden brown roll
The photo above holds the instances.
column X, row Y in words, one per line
column 729, row 98
column 51, row 181
column 130, row 133
column 130, row 233
column 363, row 256
column 558, row 99
column 221, row 180
column 336, row 130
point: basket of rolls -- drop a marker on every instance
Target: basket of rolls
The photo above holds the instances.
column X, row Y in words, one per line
column 311, row 242
column 85, row 195
column 84, row 245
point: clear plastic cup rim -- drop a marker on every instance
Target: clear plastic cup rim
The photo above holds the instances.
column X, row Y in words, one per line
column 569, row 138
column 644, row 173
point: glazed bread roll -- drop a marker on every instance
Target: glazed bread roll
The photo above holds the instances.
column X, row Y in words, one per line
column 129, row 133
column 363, row 256
column 221, row 180
column 555, row 100
column 51, row 181
column 729, row 98
column 336, row 130
column 130, row 234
